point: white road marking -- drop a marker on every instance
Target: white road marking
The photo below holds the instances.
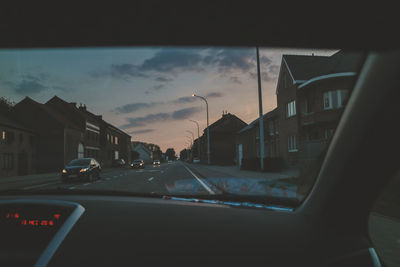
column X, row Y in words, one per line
column 72, row 187
column 151, row 178
column 115, row 176
column 37, row 186
column 200, row 181
column 86, row 184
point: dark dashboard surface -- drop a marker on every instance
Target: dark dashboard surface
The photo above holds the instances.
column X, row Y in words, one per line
column 115, row 231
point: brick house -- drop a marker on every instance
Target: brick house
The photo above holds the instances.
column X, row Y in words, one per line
column 248, row 138
column 115, row 144
column 222, row 140
column 58, row 139
column 101, row 140
column 88, row 124
column 311, row 93
column 17, row 146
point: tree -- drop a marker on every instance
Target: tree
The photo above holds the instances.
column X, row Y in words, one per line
column 5, row 104
column 170, row 153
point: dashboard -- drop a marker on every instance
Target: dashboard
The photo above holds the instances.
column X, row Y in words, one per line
column 90, row 230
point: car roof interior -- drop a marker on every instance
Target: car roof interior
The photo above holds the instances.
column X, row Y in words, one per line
column 329, row 228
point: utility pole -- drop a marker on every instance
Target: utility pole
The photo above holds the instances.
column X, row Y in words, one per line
column 260, row 107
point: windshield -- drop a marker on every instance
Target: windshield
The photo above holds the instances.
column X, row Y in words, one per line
column 219, row 126
column 79, row 162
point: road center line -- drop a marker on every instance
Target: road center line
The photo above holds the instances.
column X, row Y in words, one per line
column 37, row 186
column 151, row 178
column 86, row 184
column 200, row 181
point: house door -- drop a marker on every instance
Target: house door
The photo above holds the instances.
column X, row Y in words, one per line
column 22, row 163
column 240, row 154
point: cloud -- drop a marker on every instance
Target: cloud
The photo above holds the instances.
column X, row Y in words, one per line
column 185, row 113
column 158, row 87
column 180, row 114
column 126, row 69
column 214, row 94
column 142, row 131
column 29, row 87
column 173, row 60
column 185, row 99
column 163, row 79
column 128, row 108
column 143, row 121
column 235, row 79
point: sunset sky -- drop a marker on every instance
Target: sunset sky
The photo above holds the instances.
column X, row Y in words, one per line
column 146, row 91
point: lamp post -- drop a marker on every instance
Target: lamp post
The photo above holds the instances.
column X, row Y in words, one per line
column 208, row 129
column 198, row 138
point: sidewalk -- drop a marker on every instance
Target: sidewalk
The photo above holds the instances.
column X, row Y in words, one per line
column 230, row 179
column 234, row 171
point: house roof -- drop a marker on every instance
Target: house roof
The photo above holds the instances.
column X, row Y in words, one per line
column 254, row 123
column 50, row 111
column 83, row 112
column 141, row 145
column 222, row 122
column 306, row 67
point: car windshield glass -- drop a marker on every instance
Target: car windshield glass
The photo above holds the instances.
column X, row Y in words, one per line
column 233, row 123
column 79, row 162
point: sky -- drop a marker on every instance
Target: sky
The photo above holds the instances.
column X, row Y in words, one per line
column 147, row 91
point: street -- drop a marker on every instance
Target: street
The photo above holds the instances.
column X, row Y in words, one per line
column 173, row 178
column 163, row 179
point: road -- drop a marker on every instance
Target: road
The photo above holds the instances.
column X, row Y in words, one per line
column 164, row 179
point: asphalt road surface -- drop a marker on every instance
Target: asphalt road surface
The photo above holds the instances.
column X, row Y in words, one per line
column 162, row 179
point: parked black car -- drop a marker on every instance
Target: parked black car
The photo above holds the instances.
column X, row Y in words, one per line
column 118, row 163
column 81, row 169
column 137, row 164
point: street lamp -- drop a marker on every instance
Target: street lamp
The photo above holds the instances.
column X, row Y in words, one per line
column 208, row 129
column 198, row 138
column 191, row 140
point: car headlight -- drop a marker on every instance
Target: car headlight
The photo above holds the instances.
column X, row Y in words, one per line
column 83, row 170
column 64, row 171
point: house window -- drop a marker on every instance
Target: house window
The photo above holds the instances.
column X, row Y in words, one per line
column 7, row 137
column 116, row 140
column 291, row 109
column 8, row 161
column 116, row 155
column 108, row 137
column 335, row 99
column 292, row 143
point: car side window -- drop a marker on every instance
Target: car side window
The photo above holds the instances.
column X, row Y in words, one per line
column 384, row 223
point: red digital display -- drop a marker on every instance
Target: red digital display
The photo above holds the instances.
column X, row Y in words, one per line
column 29, row 221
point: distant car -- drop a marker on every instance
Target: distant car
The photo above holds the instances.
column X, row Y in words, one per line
column 118, row 163
column 137, row 164
column 156, row 162
column 81, row 169
column 196, row 160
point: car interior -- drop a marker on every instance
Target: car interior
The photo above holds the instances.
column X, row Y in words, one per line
column 330, row 227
